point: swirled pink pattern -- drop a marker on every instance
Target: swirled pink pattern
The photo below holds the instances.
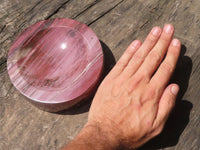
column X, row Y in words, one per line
column 55, row 63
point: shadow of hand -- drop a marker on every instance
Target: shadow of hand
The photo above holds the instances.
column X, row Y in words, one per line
column 179, row 118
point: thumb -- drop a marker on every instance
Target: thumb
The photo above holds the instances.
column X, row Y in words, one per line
column 166, row 104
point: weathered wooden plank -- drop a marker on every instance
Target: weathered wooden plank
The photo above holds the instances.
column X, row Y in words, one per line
column 117, row 23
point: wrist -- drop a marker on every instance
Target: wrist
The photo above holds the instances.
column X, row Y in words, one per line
column 104, row 137
column 95, row 137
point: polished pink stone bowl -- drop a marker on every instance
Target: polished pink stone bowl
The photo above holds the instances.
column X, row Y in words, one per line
column 56, row 63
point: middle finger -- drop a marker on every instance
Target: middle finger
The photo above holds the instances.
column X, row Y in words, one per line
column 142, row 52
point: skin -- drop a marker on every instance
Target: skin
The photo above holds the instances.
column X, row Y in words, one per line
column 134, row 101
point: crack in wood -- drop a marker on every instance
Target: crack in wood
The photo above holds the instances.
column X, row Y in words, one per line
column 154, row 10
column 9, row 90
column 34, row 7
column 145, row 23
column 3, row 65
column 4, row 26
column 105, row 13
column 90, row 6
column 57, row 10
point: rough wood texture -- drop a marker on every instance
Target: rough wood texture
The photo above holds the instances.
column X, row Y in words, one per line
column 116, row 23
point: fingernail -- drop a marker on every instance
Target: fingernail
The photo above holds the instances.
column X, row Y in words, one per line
column 168, row 28
column 175, row 90
column 135, row 44
column 156, row 31
column 176, row 42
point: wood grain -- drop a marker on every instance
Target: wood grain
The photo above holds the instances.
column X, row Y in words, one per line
column 116, row 23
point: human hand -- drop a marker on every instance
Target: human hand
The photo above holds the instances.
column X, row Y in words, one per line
column 134, row 101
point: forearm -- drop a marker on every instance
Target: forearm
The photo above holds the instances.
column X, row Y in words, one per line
column 93, row 137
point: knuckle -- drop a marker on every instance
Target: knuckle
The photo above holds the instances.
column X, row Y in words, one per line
column 149, row 95
column 174, row 51
column 157, row 131
column 133, row 83
column 130, row 51
column 151, row 38
column 163, row 43
column 138, row 77
column 139, row 56
column 164, row 38
column 145, row 74
column 170, row 103
column 121, row 63
column 155, row 56
column 166, row 67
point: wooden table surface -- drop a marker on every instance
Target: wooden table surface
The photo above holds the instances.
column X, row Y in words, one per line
column 116, row 23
